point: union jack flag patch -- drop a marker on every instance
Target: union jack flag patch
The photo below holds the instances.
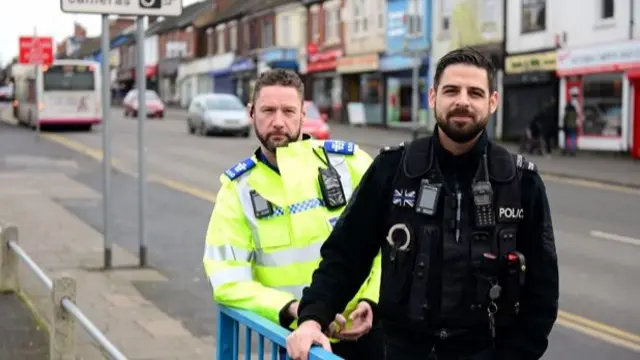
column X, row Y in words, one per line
column 404, row 198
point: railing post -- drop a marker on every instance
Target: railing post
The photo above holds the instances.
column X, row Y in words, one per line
column 225, row 337
column 62, row 343
column 8, row 258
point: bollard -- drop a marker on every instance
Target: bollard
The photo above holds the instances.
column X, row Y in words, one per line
column 62, row 342
column 8, row 259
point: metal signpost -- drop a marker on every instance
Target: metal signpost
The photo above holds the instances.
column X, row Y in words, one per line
column 37, row 51
column 140, row 9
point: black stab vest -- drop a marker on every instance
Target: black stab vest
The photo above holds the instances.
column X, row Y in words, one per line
column 436, row 279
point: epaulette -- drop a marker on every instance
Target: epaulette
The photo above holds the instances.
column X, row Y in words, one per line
column 524, row 164
column 339, row 147
column 392, row 148
column 240, row 168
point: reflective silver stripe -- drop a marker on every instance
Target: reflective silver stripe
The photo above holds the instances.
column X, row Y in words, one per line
column 296, row 290
column 289, row 256
column 231, row 275
column 227, row 252
column 340, row 164
column 244, row 193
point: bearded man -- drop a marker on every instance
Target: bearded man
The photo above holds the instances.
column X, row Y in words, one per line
column 469, row 267
column 274, row 211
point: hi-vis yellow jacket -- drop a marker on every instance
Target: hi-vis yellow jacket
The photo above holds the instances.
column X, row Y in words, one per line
column 261, row 264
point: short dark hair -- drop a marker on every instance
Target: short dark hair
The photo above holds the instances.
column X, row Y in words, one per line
column 466, row 56
column 279, row 77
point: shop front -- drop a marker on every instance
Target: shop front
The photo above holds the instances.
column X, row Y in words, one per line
column 397, row 77
column 125, row 77
column 243, row 75
column 280, row 58
column 362, row 83
column 221, row 73
column 599, row 81
column 195, row 77
column 530, row 89
column 324, row 83
column 168, row 85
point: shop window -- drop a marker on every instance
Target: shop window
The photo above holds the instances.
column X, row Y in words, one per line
column 607, row 9
column 233, row 37
column 220, row 40
column 371, row 89
column 533, row 16
column 267, row 33
column 602, row 105
column 415, row 17
column 210, row 41
column 322, row 88
column 446, row 7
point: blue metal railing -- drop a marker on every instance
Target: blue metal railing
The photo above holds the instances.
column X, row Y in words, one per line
column 228, row 341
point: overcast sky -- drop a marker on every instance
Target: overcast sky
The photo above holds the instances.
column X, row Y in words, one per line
column 22, row 17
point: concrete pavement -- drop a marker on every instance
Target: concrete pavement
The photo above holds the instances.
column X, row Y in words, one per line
column 21, row 335
column 38, row 183
column 599, row 298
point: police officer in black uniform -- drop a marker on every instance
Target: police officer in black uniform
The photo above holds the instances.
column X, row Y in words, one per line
column 469, row 263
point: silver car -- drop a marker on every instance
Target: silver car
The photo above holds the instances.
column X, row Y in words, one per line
column 218, row 113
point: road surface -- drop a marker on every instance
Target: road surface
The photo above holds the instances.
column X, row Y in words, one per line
column 595, row 228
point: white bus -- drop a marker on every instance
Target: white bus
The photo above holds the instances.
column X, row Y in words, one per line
column 65, row 93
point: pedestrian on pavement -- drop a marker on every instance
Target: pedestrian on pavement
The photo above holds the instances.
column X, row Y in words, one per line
column 456, row 217
column 570, row 124
column 274, row 211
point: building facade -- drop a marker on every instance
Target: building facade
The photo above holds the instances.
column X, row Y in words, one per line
column 324, row 34
column 530, row 84
column 408, row 43
column 364, row 41
column 476, row 23
column 599, row 69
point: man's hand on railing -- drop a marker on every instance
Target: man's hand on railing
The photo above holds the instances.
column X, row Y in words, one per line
column 306, row 335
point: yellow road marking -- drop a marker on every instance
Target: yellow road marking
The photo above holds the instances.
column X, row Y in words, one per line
column 119, row 165
column 606, row 337
column 600, row 327
column 578, row 323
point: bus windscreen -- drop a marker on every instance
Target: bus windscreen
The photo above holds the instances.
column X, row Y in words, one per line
column 69, row 78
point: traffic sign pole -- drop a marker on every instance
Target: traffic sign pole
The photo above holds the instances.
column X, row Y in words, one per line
column 141, row 80
column 106, row 143
column 140, row 9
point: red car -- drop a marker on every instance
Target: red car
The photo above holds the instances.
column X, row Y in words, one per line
column 155, row 107
column 315, row 124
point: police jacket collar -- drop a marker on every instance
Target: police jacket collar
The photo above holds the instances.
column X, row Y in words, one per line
column 422, row 154
column 262, row 158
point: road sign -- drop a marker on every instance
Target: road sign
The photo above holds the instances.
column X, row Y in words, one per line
column 35, row 50
column 124, row 7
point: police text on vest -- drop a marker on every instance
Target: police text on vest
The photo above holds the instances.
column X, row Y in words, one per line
column 509, row 213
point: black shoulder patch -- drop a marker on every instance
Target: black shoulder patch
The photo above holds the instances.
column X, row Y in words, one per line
column 524, row 164
column 392, row 148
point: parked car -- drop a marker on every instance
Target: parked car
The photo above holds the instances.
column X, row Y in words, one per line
column 218, row 113
column 315, row 123
column 155, row 106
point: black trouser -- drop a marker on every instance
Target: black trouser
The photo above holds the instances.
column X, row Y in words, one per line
column 368, row 347
column 411, row 349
